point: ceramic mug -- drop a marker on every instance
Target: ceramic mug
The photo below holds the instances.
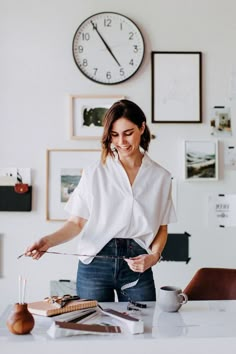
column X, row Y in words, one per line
column 171, row 298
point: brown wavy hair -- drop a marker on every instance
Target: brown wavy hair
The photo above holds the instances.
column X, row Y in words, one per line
column 123, row 109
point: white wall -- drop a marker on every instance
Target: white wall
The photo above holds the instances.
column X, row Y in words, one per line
column 37, row 72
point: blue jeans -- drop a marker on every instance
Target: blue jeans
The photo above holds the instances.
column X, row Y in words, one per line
column 103, row 276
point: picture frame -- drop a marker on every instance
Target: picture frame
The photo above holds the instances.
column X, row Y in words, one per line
column 63, row 171
column 201, row 160
column 176, row 87
column 221, row 125
column 86, row 115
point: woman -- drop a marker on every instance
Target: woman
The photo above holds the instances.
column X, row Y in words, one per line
column 120, row 210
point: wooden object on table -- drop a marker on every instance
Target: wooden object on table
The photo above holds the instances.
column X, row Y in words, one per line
column 20, row 320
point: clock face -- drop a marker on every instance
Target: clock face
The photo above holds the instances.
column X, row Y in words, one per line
column 108, row 48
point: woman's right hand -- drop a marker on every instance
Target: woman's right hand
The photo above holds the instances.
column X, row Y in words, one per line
column 68, row 231
column 35, row 250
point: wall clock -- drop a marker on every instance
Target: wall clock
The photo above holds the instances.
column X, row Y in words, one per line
column 108, row 48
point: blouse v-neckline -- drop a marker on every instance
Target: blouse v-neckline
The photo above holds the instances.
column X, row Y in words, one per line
column 131, row 185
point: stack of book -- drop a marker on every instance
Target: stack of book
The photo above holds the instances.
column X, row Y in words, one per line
column 85, row 316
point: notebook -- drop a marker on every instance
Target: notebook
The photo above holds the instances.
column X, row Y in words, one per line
column 45, row 308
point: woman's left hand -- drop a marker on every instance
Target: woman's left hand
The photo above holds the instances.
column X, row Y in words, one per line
column 143, row 262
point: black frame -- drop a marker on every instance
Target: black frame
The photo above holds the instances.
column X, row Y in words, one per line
column 197, row 87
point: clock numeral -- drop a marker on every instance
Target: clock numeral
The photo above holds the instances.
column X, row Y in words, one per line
column 108, row 75
column 122, row 73
column 80, row 49
column 95, row 26
column 135, row 49
column 107, row 22
column 85, row 36
column 85, row 62
column 131, row 36
column 95, row 70
column 131, row 62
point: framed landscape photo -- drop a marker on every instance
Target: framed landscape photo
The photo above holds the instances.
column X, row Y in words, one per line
column 201, row 160
column 176, row 87
column 64, row 170
column 86, row 115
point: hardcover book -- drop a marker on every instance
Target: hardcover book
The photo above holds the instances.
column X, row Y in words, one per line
column 44, row 308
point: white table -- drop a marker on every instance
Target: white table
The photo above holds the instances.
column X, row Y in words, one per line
column 198, row 327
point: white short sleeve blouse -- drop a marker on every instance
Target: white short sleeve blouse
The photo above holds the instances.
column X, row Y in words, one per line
column 115, row 209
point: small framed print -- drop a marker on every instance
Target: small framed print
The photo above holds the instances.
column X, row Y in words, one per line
column 64, row 170
column 201, row 160
column 176, row 87
column 221, row 122
column 87, row 113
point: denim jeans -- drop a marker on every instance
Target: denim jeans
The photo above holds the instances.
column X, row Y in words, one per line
column 103, row 276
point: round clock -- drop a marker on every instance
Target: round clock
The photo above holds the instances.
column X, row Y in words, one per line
column 108, row 48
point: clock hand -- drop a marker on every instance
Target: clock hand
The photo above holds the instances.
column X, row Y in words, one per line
column 106, row 45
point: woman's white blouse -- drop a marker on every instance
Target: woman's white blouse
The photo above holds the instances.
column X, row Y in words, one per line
column 115, row 209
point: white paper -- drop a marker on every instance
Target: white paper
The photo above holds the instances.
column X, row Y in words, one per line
column 9, row 176
column 222, row 210
column 230, row 156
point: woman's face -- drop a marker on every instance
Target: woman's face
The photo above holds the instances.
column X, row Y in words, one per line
column 125, row 136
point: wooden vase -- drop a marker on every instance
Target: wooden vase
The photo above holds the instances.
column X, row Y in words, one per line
column 20, row 321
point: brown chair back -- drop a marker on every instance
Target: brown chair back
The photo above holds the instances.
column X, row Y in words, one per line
column 212, row 284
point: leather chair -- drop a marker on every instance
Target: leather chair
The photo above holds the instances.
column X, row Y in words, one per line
column 212, row 284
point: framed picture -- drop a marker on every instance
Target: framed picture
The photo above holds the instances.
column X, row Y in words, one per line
column 176, row 87
column 86, row 115
column 201, row 160
column 64, row 169
column 221, row 121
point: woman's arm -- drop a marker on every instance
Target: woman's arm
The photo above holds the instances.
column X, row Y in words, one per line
column 145, row 261
column 67, row 232
column 159, row 242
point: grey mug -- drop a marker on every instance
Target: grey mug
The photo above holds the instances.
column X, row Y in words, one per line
column 171, row 298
